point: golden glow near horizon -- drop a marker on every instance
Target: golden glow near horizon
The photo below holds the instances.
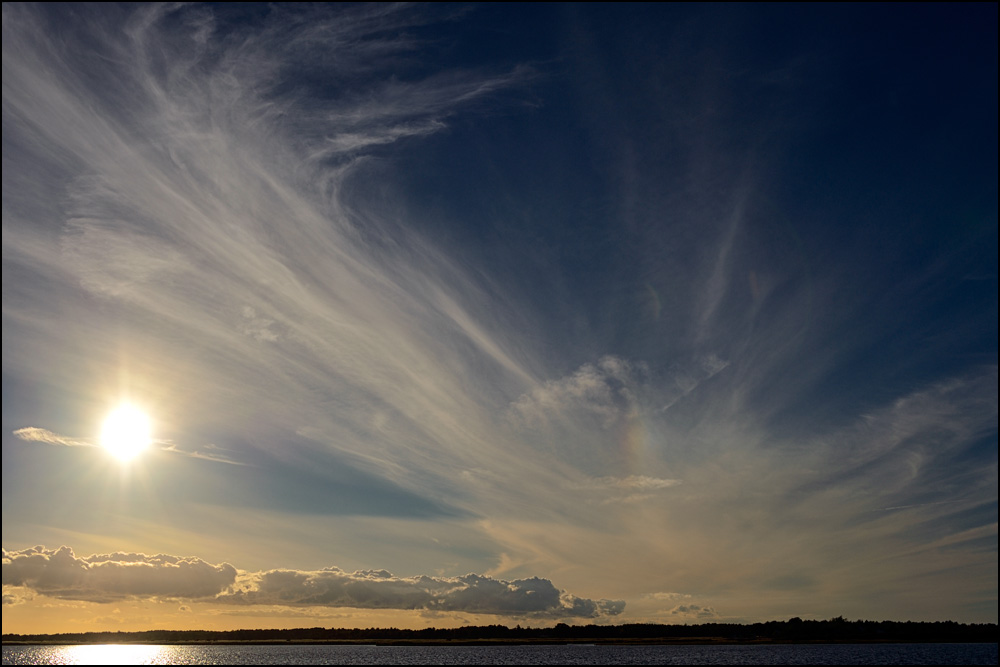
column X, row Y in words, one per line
column 126, row 432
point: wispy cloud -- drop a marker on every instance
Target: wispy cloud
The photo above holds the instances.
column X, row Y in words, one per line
column 636, row 483
column 35, row 434
column 628, row 489
column 223, row 225
column 208, row 452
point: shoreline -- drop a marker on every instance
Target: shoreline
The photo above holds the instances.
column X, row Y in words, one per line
column 617, row 641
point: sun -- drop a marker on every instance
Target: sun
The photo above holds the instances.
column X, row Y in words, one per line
column 126, row 432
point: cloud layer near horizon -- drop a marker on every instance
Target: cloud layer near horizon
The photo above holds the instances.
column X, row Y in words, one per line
column 59, row 573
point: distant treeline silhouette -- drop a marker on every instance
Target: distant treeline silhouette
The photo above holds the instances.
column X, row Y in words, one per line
column 793, row 630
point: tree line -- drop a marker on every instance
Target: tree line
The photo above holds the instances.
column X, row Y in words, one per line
column 793, row 630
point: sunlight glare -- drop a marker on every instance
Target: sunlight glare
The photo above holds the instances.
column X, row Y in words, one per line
column 126, row 432
column 116, row 654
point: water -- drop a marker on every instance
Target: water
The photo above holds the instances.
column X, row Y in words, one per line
column 327, row 654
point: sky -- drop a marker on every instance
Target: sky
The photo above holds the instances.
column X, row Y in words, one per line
column 472, row 314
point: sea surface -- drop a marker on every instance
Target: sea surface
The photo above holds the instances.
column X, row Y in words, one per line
column 783, row 654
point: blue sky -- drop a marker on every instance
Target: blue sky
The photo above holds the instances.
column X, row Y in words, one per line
column 471, row 314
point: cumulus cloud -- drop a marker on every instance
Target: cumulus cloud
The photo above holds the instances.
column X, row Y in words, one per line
column 379, row 589
column 105, row 577
column 15, row 595
column 605, row 392
column 693, row 611
column 61, row 574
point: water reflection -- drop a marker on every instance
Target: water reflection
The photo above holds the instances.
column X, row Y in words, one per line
column 111, row 654
column 350, row 654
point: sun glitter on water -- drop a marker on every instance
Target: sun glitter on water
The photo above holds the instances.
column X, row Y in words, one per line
column 126, row 432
